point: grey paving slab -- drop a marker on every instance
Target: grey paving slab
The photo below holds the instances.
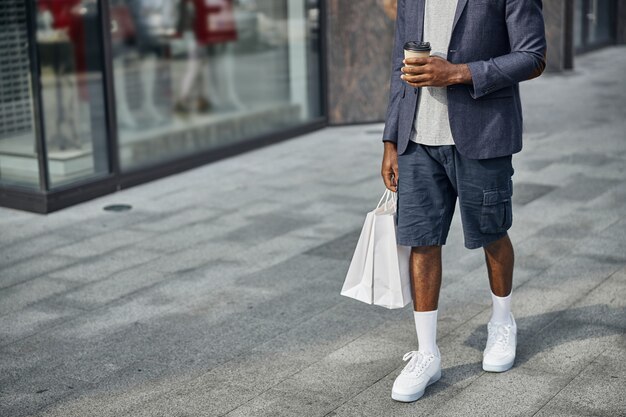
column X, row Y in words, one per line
column 99, row 267
column 514, row 393
column 109, row 289
column 21, row 397
column 31, row 268
column 21, row 295
column 103, row 243
column 178, row 219
column 24, row 249
column 25, row 322
column 525, row 192
column 600, row 389
column 113, row 396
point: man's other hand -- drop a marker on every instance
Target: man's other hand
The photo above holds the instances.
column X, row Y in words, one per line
column 389, row 169
column 434, row 71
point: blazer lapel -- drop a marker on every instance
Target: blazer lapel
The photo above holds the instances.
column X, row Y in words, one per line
column 459, row 11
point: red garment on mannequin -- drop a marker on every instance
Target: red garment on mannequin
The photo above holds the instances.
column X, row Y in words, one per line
column 61, row 11
column 67, row 17
column 214, row 21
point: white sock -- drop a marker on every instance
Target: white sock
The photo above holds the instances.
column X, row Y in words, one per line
column 501, row 308
column 426, row 327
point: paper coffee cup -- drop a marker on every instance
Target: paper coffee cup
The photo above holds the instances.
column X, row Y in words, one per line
column 413, row 49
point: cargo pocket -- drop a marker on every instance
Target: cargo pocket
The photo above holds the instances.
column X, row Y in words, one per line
column 497, row 214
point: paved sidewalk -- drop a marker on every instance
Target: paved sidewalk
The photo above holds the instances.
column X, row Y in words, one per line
column 218, row 293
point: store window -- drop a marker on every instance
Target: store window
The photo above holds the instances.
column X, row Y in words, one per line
column 18, row 150
column 194, row 75
column 69, row 43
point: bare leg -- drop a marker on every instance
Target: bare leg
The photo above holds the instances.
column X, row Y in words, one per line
column 425, row 277
column 500, row 258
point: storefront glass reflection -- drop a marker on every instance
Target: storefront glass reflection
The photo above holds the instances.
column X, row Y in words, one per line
column 69, row 45
column 18, row 151
column 193, row 75
column 594, row 23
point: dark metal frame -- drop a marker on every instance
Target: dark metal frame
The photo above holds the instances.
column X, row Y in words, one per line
column 40, row 143
column 46, row 200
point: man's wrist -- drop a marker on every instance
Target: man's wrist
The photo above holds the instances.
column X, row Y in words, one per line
column 461, row 74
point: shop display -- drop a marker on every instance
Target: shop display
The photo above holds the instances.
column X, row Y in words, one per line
column 15, row 91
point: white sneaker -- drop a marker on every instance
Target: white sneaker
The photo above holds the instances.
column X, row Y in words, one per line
column 499, row 354
column 421, row 371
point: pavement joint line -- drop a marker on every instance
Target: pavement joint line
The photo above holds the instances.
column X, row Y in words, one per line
column 77, row 261
column 359, row 393
column 569, row 382
column 607, row 228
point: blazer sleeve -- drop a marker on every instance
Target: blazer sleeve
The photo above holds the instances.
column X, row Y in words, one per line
column 527, row 59
column 390, row 133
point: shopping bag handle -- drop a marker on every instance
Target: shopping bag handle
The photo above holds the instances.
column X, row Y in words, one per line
column 387, row 195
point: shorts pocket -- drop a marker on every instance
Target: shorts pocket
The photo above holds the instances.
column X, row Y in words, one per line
column 496, row 214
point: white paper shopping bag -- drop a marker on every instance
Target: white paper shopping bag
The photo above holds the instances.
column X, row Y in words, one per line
column 392, row 285
column 386, row 284
column 358, row 282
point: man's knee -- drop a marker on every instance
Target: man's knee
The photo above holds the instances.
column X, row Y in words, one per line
column 426, row 250
column 499, row 244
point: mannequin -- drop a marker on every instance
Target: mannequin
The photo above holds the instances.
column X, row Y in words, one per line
column 145, row 39
column 122, row 34
column 214, row 31
column 61, row 27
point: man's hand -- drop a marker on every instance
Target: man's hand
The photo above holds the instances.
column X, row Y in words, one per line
column 389, row 169
column 434, row 71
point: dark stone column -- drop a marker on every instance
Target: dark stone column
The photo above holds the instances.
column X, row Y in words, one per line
column 554, row 12
column 621, row 22
column 359, row 39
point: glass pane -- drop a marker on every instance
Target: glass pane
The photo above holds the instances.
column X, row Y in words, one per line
column 199, row 74
column 18, row 151
column 602, row 21
column 69, row 45
column 579, row 14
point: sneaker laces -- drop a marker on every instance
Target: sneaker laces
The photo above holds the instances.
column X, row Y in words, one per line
column 418, row 362
column 499, row 335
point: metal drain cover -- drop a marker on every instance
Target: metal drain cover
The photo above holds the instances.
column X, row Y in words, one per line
column 118, row 207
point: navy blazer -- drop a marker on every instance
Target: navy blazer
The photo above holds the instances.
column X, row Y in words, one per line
column 503, row 42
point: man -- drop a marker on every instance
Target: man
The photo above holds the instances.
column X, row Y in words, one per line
column 452, row 124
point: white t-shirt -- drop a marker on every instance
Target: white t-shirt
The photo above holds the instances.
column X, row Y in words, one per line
column 431, row 124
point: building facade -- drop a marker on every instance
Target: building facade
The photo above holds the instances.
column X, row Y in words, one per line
column 98, row 95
